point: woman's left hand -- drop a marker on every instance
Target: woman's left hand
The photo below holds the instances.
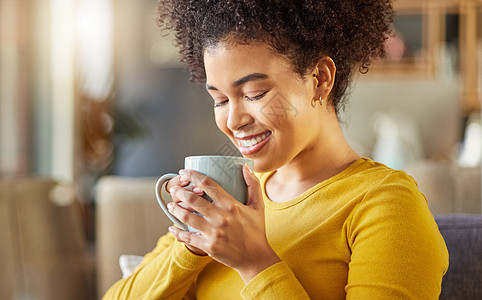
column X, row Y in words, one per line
column 230, row 232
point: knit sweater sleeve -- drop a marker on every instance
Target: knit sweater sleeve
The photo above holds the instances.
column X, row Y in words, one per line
column 167, row 272
column 276, row 282
column 397, row 249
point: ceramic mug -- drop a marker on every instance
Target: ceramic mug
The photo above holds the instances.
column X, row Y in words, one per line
column 226, row 171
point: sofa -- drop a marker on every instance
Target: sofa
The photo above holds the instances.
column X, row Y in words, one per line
column 463, row 237
column 43, row 250
column 129, row 221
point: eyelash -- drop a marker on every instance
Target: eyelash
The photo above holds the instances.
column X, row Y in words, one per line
column 255, row 98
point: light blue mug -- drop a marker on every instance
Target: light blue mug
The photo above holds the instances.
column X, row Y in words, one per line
column 227, row 171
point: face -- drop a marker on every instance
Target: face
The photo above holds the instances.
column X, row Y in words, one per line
column 262, row 104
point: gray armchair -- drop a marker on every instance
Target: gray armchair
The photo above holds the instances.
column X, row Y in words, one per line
column 463, row 237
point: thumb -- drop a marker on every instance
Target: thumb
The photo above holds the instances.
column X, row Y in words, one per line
column 255, row 197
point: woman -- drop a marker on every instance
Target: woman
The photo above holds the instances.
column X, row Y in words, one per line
column 320, row 222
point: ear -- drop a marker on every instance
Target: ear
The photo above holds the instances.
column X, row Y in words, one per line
column 324, row 74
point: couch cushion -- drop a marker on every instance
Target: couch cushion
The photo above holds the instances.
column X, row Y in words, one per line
column 463, row 236
column 128, row 221
column 43, row 251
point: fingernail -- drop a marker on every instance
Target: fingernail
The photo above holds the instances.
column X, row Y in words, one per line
column 197, row 190
column 182, row 179
column 182, row 172
column 170, row 206
column 171, row 229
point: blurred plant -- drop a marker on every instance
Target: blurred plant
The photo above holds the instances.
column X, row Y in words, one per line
column 127, row 125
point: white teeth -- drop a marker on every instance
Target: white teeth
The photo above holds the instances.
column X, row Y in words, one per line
column 253, row 141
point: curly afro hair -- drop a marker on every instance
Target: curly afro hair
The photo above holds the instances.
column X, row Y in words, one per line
column 351, row 32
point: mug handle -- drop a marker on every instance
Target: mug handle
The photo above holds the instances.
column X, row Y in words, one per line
column 160, row 191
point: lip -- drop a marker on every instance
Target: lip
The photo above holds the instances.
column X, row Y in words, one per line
column 250, row 150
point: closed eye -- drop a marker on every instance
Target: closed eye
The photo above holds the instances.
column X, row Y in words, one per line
column 257, row 97
column 218, row 104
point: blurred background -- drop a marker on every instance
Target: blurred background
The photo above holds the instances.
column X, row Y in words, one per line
column 94, row 105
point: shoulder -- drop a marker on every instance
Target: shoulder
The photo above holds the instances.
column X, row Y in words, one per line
column 384, row 193
column 376, row 177
column 391, row 205
column 378, row 171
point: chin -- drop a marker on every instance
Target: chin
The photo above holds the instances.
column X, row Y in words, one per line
column 261, row 166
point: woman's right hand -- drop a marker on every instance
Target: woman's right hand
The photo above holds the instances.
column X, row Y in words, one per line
column 177, row 181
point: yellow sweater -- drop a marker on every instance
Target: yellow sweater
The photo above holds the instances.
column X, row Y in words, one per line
column 365, row 233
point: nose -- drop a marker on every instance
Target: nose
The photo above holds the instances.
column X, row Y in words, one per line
column 239, row 115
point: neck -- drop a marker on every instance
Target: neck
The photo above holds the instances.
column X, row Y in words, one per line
column 329, row 155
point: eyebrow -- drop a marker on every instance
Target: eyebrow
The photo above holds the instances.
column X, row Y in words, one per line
column 242, row 80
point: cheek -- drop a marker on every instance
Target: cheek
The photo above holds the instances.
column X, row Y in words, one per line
column 280, row 110
column 221, row 121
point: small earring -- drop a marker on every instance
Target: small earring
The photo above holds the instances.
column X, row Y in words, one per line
column 313, row 102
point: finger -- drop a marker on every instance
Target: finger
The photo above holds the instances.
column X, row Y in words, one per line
column 190, row 200
column 189, row 238
column 187, row 217
column 194, row 189
column 255, row 197
column 178, row 180
column 208, row 185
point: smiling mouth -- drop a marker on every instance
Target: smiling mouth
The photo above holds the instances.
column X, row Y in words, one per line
column 251, row 145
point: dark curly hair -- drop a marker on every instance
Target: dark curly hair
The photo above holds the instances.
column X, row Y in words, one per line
column 351, row 32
